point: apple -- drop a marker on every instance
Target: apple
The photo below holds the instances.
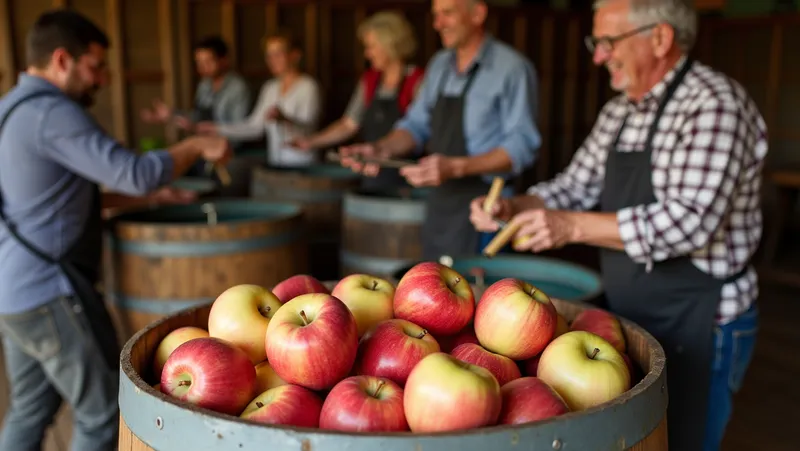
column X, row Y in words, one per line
column 444, row 393
column 392, row 348
column 288, row 405
column 467, row 335
column 368, row 297
column 266, row 377
column 530, row 366
column 434, row 297
column 515, row 319
column 602, row 323
column 561, row 326
column 502, row 368
column 585, row 369
column 529, row 399
column 210, row 373
column 364, row 404
column 312, row 341
column 168, row 344
column 294, row 286
column 240, row 315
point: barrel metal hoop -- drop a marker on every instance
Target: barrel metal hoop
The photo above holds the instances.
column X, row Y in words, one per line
column 203, row 248
column 384, row 210
column 369, row 264
column 608, row 427
column 161, row 306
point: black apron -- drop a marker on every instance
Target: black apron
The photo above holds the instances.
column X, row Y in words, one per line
column 379, row 119
column 676, row 302
column 447, row 229
column 81, row 265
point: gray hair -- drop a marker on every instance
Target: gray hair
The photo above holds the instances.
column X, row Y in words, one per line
column 679, row 14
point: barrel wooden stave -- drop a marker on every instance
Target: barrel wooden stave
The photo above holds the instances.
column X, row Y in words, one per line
column 640, row 412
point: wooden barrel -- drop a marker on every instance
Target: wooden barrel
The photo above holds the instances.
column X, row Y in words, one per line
column 150, row 420
column 170, row 258
column 319, row 189
column 203, row 187
column 381, row 232
column 558, row 278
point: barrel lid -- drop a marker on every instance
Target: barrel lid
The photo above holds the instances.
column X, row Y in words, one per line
column 218, row 211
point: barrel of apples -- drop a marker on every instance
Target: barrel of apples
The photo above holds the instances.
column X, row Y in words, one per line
column 302, row 375
column 164, row 259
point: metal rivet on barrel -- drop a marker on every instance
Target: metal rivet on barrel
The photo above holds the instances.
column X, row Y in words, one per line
column 159, row 423
column 556, row 444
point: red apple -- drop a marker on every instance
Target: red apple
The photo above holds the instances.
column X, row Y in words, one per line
column 585, row 369
column 240, row 315
column 210, row 373
column 266, row 377
column 502, row 368
column 368, row 297
column 515, row 319
column 392, row 349
column 444, row 393
column 467, row 335
column 312, row 341
column 529, row 399
column 530, row 366
column 434, row 297
column 296, row 285
column 174, row 339
column 288, row 405
column 364, row 404
column 602, row 323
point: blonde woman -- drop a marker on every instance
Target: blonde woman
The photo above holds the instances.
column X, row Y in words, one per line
column 383, row 94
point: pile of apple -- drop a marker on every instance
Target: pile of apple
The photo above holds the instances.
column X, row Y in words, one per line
column 371, row 357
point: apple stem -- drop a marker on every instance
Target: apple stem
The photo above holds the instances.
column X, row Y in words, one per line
column 305, row 319
column 423, row 333
column 594, row 353
column 374, row 285
column 533, row 291
column 259, row 404
column 184, row 383
column 378, row 390
column 458, row 279
column 265, row 311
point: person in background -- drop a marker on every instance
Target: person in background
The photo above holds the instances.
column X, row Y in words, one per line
column 288, row 106
column 674, row 164
column 383, row 94
column 59, row 342
column 475, row 113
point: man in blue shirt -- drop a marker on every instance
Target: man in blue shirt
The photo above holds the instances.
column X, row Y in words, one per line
column 59, row 342
column 475, row 113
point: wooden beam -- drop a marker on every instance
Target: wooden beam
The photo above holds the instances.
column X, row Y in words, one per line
column 8, row 69
column 60, row 3
column 326, row 46
column 184, row 34
column 271, row 11
column 312, row 38
column 360, row 15
column 774, row 78
column 119, row 95
column 228, row 29
column 167, row 47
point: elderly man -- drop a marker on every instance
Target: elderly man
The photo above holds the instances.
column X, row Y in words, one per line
column 674, row 164
column 476, row 115
column 58, row 339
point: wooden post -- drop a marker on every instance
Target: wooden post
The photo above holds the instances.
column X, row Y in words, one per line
column 119, row 95
column 311, row 38
column 228, row 30
column 8, row 69
column 185, row 59
column 168, row 64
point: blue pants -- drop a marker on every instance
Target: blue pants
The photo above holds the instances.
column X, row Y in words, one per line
column 734, row 344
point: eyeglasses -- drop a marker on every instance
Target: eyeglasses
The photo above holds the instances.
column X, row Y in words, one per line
column 606, row 43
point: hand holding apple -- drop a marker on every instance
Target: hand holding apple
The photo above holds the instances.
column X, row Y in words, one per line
column 294, row 286
column 392, row 349
column 602, row 323
column 364, row 404
column 502, row 368
column 288, row 405
column 369, row 298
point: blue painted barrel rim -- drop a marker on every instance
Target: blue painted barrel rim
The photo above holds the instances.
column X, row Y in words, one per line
column 383, row 209
column 163, row 423
column 204, row 248
column 252, row 211
column 197, row 184
column 369, row 263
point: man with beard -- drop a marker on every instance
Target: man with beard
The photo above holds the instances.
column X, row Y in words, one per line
column 59, row 342
column 674, row 165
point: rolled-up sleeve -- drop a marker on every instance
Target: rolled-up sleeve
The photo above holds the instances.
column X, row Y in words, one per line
column 521, row 137
column 73, row 139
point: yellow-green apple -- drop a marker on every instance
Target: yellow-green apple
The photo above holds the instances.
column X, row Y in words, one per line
column 392, row 348
column 294, row 286
column 602, row 323
column 287, row 405
column 312, row 341
column 450, row 342
column 515, row 319
column 364, row 404
column 435, row 297
column 210, row 373
column 368, row 297
column 174, row 339
column 444, row 393
column 240, row 315
column 502, row 368
column 529, row 399
column 585, row 369
column 266, row 377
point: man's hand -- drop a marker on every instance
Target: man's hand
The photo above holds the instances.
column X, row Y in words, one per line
column 349, row 158
column 542, row 229
column 205, row 128
column 215, row 149
column 158, row 112
column 300, row 143
column 432, row 170
column 184, row 123
column 485, row 222
column 172, row 195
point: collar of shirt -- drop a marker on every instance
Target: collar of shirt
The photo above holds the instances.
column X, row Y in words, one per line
column 483, row 57
column 654, row 95
column 29, row 82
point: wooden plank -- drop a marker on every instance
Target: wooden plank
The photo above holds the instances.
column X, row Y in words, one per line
column 325, row 46
column 271, row 10
column 547, row 71
column 168, row 52
column 572, row 78
column 228, row 18
column 774, row 77
column 8, row 69
column 60, row 3
column 360, row 14
column 185, row 61
column 312, row 37
column 119, row 96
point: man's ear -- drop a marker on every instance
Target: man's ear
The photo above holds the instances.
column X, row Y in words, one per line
column 479, row 11
column 663, row 37
column 61, row 59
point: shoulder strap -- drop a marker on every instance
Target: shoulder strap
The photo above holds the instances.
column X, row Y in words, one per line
column 12, row 229
column 406, row 94
column 371, row 78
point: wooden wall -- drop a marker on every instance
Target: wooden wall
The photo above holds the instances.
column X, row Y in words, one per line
column 151, row 57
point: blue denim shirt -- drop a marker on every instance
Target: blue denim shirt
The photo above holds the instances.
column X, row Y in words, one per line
column 51, row 153
column 500, row 107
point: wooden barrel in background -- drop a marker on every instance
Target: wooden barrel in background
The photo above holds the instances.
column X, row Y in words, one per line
column 151, row 421
column 170, row 258
column 319, row 190
column 381, row 232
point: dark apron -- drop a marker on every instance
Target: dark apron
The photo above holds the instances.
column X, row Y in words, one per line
column 447, row 229
column 81, row 265
column 675, row 302
column 379, row 119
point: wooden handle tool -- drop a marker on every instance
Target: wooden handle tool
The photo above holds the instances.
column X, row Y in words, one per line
column 494, row 194
column 501, row 239
column 223, row 174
